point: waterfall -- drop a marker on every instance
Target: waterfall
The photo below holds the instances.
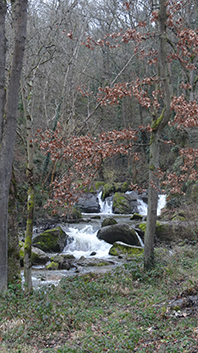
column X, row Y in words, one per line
column 106, row 205
column 142, row 206
column 85, row 240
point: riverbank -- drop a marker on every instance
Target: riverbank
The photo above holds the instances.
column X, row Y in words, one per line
column 124, row 310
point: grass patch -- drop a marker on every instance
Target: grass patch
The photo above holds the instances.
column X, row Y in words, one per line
column 126, row 310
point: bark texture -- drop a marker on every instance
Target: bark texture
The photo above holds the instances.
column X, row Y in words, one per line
column 30, row 207
column 13, row 240
column 8, row 121
column 157, row 127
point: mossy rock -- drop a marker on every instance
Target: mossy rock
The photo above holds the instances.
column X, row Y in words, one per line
column 65, row 262
column 121, row 249
column 38, row 257
column 108, row 190
column 108, row 222
column 142, row 227
column 99, row 184
column 52, row 266
column 173, row 231
column 125, row 187
column 96, row 217
column 136, row 216
column 121, row 203
column 51, row 240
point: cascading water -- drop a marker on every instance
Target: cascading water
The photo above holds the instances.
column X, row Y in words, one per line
column 142, row 206
column 85, row 241
column 105, row 206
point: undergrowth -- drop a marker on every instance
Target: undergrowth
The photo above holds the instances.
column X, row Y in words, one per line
column 126, row 310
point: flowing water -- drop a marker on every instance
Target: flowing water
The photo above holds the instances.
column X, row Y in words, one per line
column 84, row 240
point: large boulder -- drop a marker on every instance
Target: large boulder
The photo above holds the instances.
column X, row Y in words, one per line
column 119, row 232
column 51, row 240
column 88, row 203
column 124, row 204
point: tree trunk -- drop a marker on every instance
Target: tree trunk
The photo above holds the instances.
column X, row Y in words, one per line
column 30, row 206
column 13, row 239
column 8, row 121
column 157, row 127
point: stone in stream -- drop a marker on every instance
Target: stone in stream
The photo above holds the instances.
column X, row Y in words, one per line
column 122, row 250
column 52, row 240
column 119, row 232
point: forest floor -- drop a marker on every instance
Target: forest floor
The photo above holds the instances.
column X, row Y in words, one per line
column 125, row 310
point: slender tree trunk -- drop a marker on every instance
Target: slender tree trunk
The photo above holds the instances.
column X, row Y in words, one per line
column 30, row 207
column 13, row 239
column 157, row 127
column 152, row 201
column 8, row 121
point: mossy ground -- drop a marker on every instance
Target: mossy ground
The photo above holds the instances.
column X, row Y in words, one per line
column 126, row 310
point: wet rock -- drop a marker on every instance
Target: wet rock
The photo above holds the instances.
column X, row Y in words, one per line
column 52, row 266
column 52, row 240
column 65, row 262
column 88, row 203
column 122, row 204
column 83, row 261
column 108, row 221
column 136, row 216
column 119, row 232
column 119, row 249
column 38, row 257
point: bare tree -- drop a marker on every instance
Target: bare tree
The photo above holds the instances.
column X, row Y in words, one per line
column 8, row 114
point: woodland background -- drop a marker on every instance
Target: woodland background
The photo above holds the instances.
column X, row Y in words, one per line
column 62, row 72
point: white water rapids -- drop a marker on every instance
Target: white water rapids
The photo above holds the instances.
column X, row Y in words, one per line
column 84, row 237
column 84, row 242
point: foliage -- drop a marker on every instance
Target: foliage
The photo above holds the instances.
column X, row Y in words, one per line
column 82, row 157
column 121, row 311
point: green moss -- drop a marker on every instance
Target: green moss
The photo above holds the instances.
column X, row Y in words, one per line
column 121, row 249
column 52, row 266
column 34, row 257
column 121, row 203
column 108, row 190
column 102, row 263
column 21, row 253
column 125, row 187
column 136, row 216
column 49, row 240
column 155, row 124
column 109, row 221
column 142, row 226
column 98, row 184
column 159, row 227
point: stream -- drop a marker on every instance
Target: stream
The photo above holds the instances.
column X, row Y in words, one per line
column 85, row 242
